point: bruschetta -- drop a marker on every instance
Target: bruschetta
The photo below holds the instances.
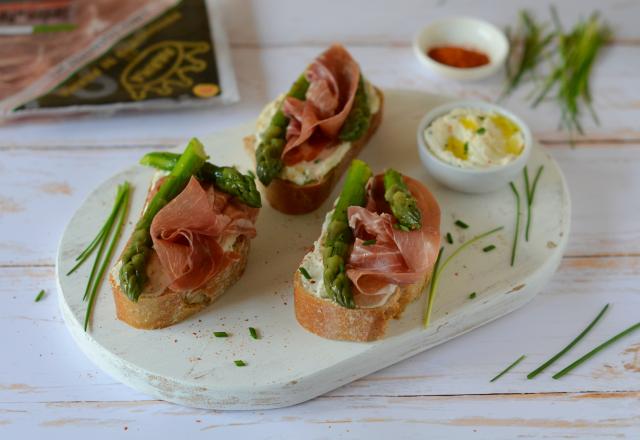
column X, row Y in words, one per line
column 191, row 243
column 306, row 138
column 374, row 256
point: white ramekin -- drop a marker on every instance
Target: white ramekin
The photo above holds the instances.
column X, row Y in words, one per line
column 469, row 33
column 465, row 179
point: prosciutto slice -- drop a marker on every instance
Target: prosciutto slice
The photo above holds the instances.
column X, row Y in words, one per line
column 397, row 257
column 314, row 123
column 187, row 233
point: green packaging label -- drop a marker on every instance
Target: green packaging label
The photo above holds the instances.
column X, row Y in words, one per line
column 171, row 57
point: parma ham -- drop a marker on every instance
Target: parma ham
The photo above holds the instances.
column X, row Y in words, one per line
column 397, row 257
column 314, row 123
column 189, row 232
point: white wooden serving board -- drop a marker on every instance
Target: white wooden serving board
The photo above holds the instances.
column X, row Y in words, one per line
column 186, row 364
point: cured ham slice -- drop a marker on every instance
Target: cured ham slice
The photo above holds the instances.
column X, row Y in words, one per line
column 398, row 257
column 314, row 123
column 189, row 231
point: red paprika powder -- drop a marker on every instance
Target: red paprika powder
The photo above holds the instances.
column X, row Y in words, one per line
column 458, row 56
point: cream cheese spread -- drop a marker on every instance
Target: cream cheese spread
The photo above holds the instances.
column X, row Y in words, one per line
column 474, row 138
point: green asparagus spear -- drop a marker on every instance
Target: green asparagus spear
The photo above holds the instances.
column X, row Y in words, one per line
column 133, row 274
column 357, row 122
column 339, row 237
column 268, row 161
column 228, row 179
column 403, row 204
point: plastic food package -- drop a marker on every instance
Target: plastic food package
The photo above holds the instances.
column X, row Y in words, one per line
column 59, row 57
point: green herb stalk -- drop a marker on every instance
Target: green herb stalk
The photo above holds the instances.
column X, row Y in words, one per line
column 558, row 355
column 94, row 282
column 596, row 350
column 438, row 269
column 506, row 370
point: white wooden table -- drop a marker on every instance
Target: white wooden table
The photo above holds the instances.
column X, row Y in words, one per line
column 49, row 389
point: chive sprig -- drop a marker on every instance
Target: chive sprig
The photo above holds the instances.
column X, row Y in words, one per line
column 105, row 240
column 596, row 350
column 562, row 352
column 506, row 370
column 437, row 269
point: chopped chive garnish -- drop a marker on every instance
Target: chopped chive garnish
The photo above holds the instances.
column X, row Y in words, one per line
column 437, row 270
column 599, row 348
column 98, row 270
column 531, row 190
column 506, row 370
column 254, row 333
column 461, row 224
column 466, row 148
column 449, row 238
column 481, row 130
column 488, row 248
column 304, row 272
column 40, row 295
column 240, row 363
column 472, row 295
column 221, row 334
column 542, row 367
column 369, row 242
column 517, row 228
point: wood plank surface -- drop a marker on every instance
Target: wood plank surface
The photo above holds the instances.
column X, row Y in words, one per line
column 49, row 389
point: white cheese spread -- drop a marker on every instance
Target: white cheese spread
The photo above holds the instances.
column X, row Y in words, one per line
column 474, row 138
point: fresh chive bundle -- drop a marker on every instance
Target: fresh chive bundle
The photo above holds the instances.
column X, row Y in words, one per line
column 577, row 51
column 254, row 333
column 529, row 46
column 221, row 334
column 39, row 297
column 506, row 370
column 557, row 356
column 101, row 242
column 571, row 56
column 437, row 270
column 517, row 226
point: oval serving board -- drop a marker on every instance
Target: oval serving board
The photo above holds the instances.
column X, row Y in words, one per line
column 186, row 364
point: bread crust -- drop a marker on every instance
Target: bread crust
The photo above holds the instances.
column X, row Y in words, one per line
column 328, row 319
column 291, row 198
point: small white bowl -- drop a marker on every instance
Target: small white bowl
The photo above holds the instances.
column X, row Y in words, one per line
column 469, row 33
column 472, row 180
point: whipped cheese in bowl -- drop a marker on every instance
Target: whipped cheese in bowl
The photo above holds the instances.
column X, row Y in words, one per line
column 474, row 138
column 473, row 146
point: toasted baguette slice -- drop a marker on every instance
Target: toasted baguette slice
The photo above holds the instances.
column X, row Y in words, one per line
column 159, row 307
column 330, row 320
column 291, row 198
